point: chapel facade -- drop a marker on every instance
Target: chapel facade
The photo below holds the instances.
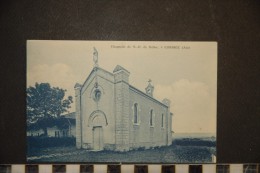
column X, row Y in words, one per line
column 111, row 114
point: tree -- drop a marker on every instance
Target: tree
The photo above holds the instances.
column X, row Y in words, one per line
column 45, row 103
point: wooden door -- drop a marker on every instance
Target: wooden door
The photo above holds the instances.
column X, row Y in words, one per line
column 98, row 138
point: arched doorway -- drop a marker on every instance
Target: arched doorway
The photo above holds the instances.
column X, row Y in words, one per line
column 97, row 121
column 98, row 140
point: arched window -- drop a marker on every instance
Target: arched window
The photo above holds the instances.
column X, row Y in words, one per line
column 162, row 120
column 151, row 117
column 135, row 113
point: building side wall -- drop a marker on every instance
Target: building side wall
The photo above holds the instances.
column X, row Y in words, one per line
column 122, row 110
column 35, row 132
column 169, row 129
column 51, row 131
column 78, row 131
column 117, row 104
column 142, row 134
column 105, row 104
column 72, row 131
column 59, row 132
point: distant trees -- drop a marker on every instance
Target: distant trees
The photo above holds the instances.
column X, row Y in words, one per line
column 207, row 142
column 44, row 103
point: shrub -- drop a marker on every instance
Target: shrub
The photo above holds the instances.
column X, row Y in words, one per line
column 44, row 142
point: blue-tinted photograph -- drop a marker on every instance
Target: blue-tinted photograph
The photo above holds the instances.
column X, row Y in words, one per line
column 121, row 101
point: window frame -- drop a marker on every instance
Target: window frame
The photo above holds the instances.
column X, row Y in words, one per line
column 250, row 168
column 162, row 121
column 136, row 115
column 222, row 169
column 151, row 117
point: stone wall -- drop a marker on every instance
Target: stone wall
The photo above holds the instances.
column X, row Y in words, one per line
column 78, row 131
column 122, row 110
column 105, row 105
column 169, row 122
column 142, row 134
column 116, row 104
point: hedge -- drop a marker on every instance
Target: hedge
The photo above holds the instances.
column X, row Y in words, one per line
column 44, row 142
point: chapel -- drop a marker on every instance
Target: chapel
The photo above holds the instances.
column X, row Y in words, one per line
column 111, row 114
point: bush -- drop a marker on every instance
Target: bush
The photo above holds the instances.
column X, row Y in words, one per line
column 44, row 142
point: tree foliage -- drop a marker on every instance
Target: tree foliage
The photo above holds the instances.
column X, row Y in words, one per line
column 45, row 102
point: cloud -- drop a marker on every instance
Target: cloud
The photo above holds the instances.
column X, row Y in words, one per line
column 193, row 106
column 192, row 103
column 58, row 75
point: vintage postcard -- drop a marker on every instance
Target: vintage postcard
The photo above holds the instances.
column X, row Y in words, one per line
column 121, row 101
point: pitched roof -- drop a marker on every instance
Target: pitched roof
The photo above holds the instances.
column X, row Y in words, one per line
column 146, row 95
column 33, row 126
column 71, row 115
column 93, row 71
column 118, row 68
column 77, row 85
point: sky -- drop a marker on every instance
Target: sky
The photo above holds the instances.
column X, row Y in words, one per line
column 184, row 72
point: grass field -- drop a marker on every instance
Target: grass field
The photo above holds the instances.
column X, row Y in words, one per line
column 176, row 153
